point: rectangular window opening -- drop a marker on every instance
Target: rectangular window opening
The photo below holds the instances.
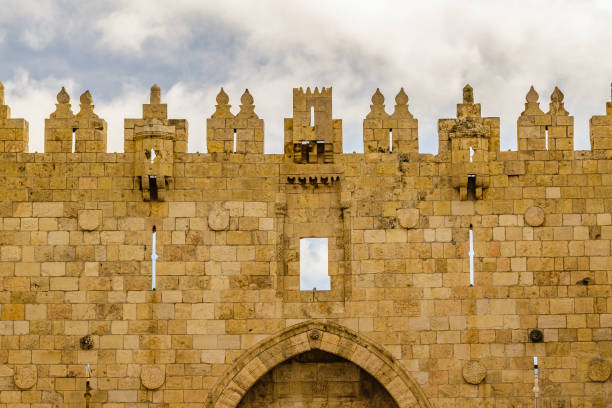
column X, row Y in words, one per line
column 471, row 254
column 390, row 140
column 312, row 116
column 471, row 187
column 153, row 188
column 471, row 154
column 153, row 257
column 314, row 264
column 546, row 137
column 234, row 149
column 73, row 141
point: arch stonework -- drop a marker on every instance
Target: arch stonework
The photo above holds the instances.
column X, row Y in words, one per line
column 316, row 335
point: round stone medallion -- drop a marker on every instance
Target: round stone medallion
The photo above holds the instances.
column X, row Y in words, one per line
column 474, row 372
column 89, row 220
column 534, row 216
column 152, row 377
column 599, row 370
column 408, row 217
column 218, row 220
column 25, row 377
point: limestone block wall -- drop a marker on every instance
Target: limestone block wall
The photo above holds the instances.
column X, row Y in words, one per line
column 227, row 321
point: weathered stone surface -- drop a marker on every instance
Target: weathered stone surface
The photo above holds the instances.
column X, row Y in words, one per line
column 599, row 370
column 474, row 372
column 152, row 376
column 218, row 220
column 408, row 217
column 534, row 216
column 90, row 220
column 25, row 376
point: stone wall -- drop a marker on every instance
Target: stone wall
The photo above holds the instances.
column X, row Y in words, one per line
column 76, row 227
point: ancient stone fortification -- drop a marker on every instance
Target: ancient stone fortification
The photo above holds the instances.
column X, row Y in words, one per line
column 228, row 325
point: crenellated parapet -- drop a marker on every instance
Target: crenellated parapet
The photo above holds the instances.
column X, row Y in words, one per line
column 13, row 132
column 601, row 130
column 395, row 133
column 228, row 133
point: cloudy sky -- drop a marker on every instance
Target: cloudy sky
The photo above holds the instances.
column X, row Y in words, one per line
column 118, row 49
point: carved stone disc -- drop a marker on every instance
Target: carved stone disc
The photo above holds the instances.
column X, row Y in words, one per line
column 599, row 370
column 534, row 216
column 218, row 220
column 25, row 377
column 408, row 217
column 474, row 372
column 152, row 377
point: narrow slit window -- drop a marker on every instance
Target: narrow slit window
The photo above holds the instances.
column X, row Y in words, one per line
column 312, row 116
column 234, row 148
column 471, row 255
column 390, row 140
column 73, row 141
column 546, row 137
column 536, row 385
column 153, row 257
column 314, row 264
column 153, row 187
column 471, row 187
column 471, row 154
column 152, row 156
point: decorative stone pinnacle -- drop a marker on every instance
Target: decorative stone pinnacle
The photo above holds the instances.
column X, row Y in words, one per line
column 378, row 98
column 532, row 95
column 246, row 98
column 155, row 95
column 63, row 97
column 468, row 94
column 222, row 98
column 247, row 109
column 401, row 98
column 401, row 106
column 86, row 98
column 557, row 95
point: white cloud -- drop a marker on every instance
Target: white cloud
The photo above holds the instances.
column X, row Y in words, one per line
column 314, row 264
column 431, row 49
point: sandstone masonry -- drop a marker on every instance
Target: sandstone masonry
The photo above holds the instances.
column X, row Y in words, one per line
column 223, row 322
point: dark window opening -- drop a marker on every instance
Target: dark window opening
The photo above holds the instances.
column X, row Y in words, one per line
column 153, row 187
column 471, row 187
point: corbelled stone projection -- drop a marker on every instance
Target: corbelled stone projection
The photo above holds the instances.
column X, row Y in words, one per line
column 166, row 279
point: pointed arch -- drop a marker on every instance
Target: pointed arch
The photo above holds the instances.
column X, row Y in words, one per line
column 316, row 335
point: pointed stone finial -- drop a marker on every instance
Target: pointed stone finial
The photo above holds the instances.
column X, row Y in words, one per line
column 86, row 106
column 86, row 98
column 557, row 95
column 532, row 106
column 378, row 98
column 468, row 94
column 222, row 98
column 1, row 94
column 377, row 109
column 556, row 103
column 532, row 95
column 155, row 95
column 62, row 107
column 401, row 106
column 247, row 109
column 223, row 107
column 62, row 96
column 401, row 98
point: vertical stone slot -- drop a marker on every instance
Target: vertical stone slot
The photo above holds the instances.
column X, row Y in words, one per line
column 546, row 137
column 471, row 255
column 314, row 264
column 153, row 257
column 390, row 140
column 234, row 148
column 153, row 187
column 73, row 149
column 312, row 115
column 152, row 156
column 471, row 154
column 471, row 187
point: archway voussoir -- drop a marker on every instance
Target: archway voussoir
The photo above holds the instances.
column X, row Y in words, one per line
column 330, row 343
